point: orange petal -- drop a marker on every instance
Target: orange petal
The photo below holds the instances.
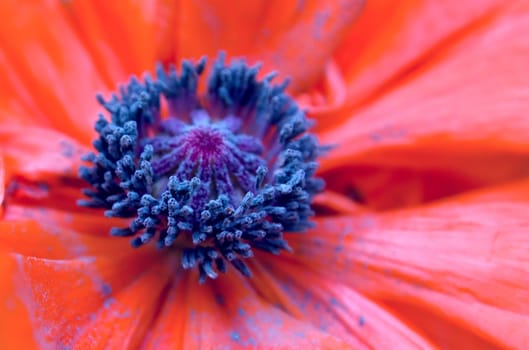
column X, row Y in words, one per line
column 17, row 105
column 228, row 313
column 2, row 185
column 327, row 97
column 391, row 39
column 64, row 296
column 123, row 37
column 462, row 264
column 39, row 153
column 480, row 76
column 333, row 202
column 55, row 234
column 167, row 330
column 50, row 74
column 452, row 119
column 338, row 309
column 41, row 167
column 125, row 319
column 296, row 38
column 392, row 186
column 15, row 326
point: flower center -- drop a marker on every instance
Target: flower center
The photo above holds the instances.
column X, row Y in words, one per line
column 225, row 160
column 204, row 144
column 216, row 174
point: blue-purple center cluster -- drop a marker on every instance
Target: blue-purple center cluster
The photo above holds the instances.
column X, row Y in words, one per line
column 216, row 174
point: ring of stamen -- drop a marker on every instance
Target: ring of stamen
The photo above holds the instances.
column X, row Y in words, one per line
column 218, row 174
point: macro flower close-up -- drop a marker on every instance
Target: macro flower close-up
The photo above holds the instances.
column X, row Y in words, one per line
column 300, row 174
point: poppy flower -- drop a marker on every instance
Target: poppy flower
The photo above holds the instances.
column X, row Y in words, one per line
column 419, row 239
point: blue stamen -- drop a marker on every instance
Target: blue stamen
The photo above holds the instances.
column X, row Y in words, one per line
column 218, row 174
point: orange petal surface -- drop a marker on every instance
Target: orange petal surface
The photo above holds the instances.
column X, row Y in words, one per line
column 449, row 120
column 461, row 263
column 340, row 310
column 294, row 37
column 41, row 63
column 392, row 39
column 228, row 311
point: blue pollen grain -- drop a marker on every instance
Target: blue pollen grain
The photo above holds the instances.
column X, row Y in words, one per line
column 214, row 174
